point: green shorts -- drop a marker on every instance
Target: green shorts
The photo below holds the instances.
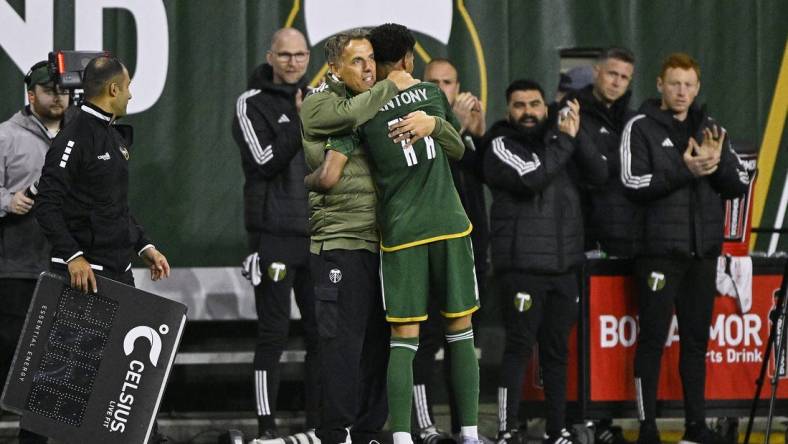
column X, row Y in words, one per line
column 442, row 269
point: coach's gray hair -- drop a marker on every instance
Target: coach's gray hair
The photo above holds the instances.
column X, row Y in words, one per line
column 337, row 42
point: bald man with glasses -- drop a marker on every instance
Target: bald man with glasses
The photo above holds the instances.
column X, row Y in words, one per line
column 267, row 130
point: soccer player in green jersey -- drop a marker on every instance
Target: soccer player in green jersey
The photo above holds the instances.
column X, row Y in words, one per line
column 425, row 244
column 344, row 235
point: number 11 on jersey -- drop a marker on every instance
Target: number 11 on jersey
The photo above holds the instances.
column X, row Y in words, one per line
column 410, row 152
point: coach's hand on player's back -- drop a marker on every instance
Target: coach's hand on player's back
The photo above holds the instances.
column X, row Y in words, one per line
column 412, row 128
column 82, row 277
column 157, row 264
column 402, row 79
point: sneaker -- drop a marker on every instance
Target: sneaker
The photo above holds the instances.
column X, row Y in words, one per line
column 564, row 437
column 432, row 435
column 509, row 437
column 457, row 438
column 728, row 428
column 649, row 434
column 610, row 435
column 699, row 432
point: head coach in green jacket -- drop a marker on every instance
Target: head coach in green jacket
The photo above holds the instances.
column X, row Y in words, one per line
column 344, row 238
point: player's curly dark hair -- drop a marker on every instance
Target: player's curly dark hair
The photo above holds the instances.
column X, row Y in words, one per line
column 391, row 42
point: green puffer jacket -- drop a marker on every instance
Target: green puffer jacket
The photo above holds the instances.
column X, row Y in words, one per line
column 344, row 217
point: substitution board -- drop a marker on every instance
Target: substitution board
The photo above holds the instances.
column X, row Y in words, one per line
column 91, row 368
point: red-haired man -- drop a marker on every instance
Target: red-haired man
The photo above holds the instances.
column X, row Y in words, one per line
column 678, row 163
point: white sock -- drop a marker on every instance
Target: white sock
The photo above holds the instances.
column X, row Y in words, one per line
column 402, row 438
column 469, row 432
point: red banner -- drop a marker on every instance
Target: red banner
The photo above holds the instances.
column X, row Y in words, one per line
column 735, row 354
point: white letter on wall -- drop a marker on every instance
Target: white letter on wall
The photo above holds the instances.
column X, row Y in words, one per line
column 153, row 43
column 27, row 41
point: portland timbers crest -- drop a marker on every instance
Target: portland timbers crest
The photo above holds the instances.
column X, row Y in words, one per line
column 277, row 271
column 656, row 281
column 523, row 302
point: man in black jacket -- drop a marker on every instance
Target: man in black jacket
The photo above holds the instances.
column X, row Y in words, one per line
column 82, row 205
column 267, row 130
column 533, row 168
column 611, row 220
column 679, row 164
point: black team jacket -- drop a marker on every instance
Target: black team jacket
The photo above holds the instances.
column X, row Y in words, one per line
column 613, row 222
column 267, row 129
column 683, row 214
column 82, row 204
column 536, row 221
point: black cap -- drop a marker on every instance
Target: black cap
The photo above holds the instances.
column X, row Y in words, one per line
column 38, row 75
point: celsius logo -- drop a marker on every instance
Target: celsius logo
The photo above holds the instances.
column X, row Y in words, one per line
column 148, row 333
column 118, row 412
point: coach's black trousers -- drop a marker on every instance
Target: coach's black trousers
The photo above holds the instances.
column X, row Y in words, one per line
column 354, row 344
column 284, row 263
column 537, row 308
column 688, row 285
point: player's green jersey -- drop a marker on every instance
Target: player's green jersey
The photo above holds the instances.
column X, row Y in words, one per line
column 417, row 200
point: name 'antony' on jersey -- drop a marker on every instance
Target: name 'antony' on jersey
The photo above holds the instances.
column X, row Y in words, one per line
column 406, row 97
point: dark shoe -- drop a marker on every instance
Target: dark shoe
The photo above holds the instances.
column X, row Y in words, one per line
column 266, row 427
column 728, row 428
column 269, row 434
column 432, row 435
column 649, row 434
column 561, row 438
column 509, row 437
column 699, row 432
column 610, row 435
